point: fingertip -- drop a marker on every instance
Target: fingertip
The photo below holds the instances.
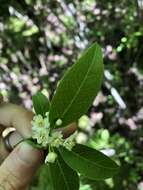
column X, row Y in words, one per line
column 29, row 154
column 20, row 166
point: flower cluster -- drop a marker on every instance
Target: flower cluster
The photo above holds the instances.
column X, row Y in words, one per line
column 46, row 138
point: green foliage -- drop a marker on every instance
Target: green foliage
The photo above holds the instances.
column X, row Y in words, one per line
column 78, row 88
column 68, row 104
column 61, row 176
column 40, row 103
column 57, row 33
column 89, row 162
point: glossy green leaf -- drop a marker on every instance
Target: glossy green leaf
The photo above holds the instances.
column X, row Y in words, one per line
column 62, row 176
column 89, row 162
column 78, row 88
column 40, row 103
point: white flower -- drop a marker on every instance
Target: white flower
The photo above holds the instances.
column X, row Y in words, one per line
column 70, row 142
column 38, row 121
column 56, row 139
column 56, row 143
column 41, row 135
column 40, row 130
column 51, row 157
column 57, row 134
column 44, row 137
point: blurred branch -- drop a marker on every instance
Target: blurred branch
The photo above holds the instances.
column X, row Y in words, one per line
column 113, row 91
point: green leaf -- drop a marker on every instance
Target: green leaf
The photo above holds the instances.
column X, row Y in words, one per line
column 78, row 88
column 61, row 176
column 40, row 103
column 89, row 162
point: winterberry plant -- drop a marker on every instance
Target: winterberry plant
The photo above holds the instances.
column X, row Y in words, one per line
column 74, row 95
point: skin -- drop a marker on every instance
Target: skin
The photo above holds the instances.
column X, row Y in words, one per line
column 18, row 167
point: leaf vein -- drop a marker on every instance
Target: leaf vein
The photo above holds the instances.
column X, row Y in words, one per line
column 87, row 160
column 63, row 175
column 80, row 87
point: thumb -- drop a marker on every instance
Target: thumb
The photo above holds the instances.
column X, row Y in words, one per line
column 18, row 169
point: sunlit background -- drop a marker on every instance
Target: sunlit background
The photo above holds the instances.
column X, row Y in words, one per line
column 39, row 39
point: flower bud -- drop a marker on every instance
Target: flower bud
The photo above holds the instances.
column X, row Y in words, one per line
column 51, row 157
column 59, row 122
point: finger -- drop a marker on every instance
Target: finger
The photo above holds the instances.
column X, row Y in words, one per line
column 16, row 116
column 21, row 121
column 70, row 129
column 14, row 138
column 20, row 166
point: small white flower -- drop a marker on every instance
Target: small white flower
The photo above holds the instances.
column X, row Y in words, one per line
column 70, row 142
column 41, row 132
column 41, row 135
column 59, row 122
column 57, row 134
column 56, row 139
column 38, row 121
column 56, row 142
column 51, row 157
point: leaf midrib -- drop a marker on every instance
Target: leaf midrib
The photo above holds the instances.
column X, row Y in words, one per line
column 78, row 155
column 80, row 87
column 51, row 178
column 63, row 175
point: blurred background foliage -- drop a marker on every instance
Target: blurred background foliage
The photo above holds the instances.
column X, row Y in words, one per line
column 39, row 39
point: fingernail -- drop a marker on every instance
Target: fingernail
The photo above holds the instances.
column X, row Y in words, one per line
column 29, row 154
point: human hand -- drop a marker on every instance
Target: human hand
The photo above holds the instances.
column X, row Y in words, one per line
column 21, row 164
